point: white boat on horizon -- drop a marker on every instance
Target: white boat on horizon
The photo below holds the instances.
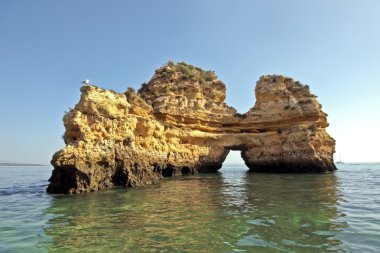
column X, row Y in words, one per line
column 340, row 160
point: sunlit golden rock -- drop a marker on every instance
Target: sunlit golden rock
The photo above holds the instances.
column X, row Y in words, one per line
column 178, row 123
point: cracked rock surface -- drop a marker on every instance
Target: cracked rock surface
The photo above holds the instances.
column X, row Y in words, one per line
column 179, row 124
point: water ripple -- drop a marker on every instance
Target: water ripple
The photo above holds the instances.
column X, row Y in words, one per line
column 232, row 211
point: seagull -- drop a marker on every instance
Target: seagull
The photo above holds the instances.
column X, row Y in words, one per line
column 86, row 82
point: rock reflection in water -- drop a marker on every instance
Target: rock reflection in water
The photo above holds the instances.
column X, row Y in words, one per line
column 218, row 212
column 285, row 212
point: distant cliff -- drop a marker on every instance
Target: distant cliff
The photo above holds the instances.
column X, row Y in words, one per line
column 21, row 164
column 178, row 123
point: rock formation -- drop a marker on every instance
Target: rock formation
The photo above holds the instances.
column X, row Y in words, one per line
column 178, row 124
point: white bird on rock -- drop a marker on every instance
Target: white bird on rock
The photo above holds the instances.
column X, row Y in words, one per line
column 86, row 82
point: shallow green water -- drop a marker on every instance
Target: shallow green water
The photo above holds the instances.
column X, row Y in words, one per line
column 231, row 211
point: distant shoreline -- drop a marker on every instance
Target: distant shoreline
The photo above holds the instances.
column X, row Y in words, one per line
column 21, row 164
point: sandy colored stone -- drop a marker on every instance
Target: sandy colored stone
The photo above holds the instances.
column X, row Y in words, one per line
column 178, row 123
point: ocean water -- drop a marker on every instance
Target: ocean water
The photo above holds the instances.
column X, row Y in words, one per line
column 230, row 211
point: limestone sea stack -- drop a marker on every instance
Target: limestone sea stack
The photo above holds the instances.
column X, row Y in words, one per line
column 179, row 124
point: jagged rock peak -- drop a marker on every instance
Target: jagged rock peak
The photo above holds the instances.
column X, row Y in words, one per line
column 187, row 88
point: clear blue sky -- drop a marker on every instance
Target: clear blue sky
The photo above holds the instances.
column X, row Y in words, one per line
column 48, row 47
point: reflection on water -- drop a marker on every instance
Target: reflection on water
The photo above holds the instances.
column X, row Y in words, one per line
column 284, row 212
column 221, row 212
column 232, row 211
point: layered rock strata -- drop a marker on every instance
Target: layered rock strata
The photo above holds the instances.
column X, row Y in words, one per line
column 178, row 124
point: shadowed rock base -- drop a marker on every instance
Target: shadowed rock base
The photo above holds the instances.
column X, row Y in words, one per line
column 284, row 167
column 179, row 124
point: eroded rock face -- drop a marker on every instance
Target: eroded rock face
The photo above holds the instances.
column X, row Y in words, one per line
column 178, row 123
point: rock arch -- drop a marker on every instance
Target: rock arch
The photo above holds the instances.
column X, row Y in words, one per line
column 178, row 123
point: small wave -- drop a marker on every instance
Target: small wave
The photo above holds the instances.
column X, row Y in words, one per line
column 18, row 189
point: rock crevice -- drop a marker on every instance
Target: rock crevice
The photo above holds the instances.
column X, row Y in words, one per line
column 179, row 124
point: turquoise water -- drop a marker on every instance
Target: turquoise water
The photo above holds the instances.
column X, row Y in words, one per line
column 231, row 211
